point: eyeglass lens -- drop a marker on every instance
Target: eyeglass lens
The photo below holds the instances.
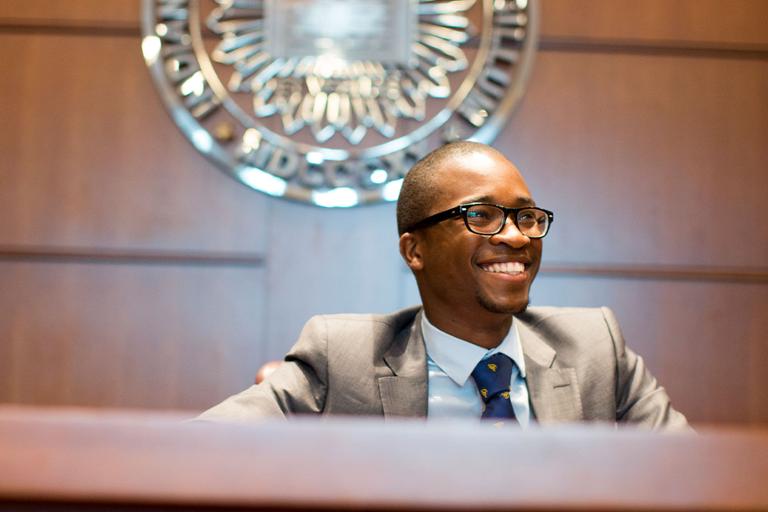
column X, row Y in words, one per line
column 488, row 219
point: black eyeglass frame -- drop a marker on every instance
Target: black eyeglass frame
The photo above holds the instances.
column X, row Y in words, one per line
column 462, row 209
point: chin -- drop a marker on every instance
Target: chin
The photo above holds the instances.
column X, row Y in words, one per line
column 505, row 308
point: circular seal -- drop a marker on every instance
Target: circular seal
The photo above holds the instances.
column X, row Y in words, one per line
column 331, row 101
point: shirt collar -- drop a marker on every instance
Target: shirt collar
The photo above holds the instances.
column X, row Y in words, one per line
column 457, row 358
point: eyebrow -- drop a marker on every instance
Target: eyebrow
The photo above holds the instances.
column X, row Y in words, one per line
column 520, row 201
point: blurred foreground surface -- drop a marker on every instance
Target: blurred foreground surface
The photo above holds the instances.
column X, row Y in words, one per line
column 74, row 459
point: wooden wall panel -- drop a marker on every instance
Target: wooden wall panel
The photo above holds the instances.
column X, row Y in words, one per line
column 105, row 13
column 328, row 261
column 733, row 22
column 659, row 22
column 153, row 336
column 619, row 145
column 91, row 158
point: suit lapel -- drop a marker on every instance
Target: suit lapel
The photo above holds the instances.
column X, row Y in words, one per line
column 405, row 392
column 554, row 391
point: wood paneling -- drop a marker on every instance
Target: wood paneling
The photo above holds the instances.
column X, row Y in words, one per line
column 708, row 23
column 128, row 335
column 704, row 22
column 328, row 261
column 127, row 256
column 647, row 159
column 102, row 13
column 661, row 272
column 91, row 158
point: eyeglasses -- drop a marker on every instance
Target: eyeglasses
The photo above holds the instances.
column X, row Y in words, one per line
column 489, row 219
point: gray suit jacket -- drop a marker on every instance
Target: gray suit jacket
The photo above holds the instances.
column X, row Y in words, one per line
column 578, row 369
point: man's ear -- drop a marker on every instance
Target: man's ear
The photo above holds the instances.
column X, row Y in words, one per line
column 410, row 250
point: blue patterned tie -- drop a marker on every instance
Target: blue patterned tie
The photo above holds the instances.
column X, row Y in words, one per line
column 492, row 376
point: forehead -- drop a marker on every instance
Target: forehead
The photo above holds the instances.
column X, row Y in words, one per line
column 480, row 176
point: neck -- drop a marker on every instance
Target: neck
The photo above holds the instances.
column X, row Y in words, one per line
column 486, row 331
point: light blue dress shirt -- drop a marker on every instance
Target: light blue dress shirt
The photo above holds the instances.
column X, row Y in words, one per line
column 452, row 390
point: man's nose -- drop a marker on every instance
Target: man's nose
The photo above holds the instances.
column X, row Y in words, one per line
column 510, row 235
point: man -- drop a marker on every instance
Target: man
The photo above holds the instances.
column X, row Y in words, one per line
column 472, row 236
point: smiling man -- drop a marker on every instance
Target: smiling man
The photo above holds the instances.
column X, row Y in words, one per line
column 471, row 233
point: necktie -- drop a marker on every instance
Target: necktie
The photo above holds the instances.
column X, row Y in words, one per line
column 492, row 376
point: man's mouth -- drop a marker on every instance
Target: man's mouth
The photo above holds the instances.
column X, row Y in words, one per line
column 507, row 267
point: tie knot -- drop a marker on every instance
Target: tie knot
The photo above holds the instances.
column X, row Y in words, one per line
column 492, row 375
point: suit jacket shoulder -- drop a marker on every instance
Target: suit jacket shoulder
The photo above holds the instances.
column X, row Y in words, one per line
column 343, row 364
column 582, row 370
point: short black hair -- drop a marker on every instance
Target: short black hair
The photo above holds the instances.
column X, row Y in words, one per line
column 420, row 191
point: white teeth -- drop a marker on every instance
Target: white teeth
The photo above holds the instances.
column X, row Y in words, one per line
column 508, row 267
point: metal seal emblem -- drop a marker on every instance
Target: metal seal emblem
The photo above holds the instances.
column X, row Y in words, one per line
column 331, row 101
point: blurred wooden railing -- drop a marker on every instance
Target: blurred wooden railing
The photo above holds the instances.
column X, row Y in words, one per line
column 76, row 458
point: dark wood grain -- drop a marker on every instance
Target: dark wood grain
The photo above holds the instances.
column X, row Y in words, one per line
column 735, row 22
column 693, row 21
column 147, row 336
column 647, row 160
column 659, row 272
column 128, row 257
column 53, row 12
